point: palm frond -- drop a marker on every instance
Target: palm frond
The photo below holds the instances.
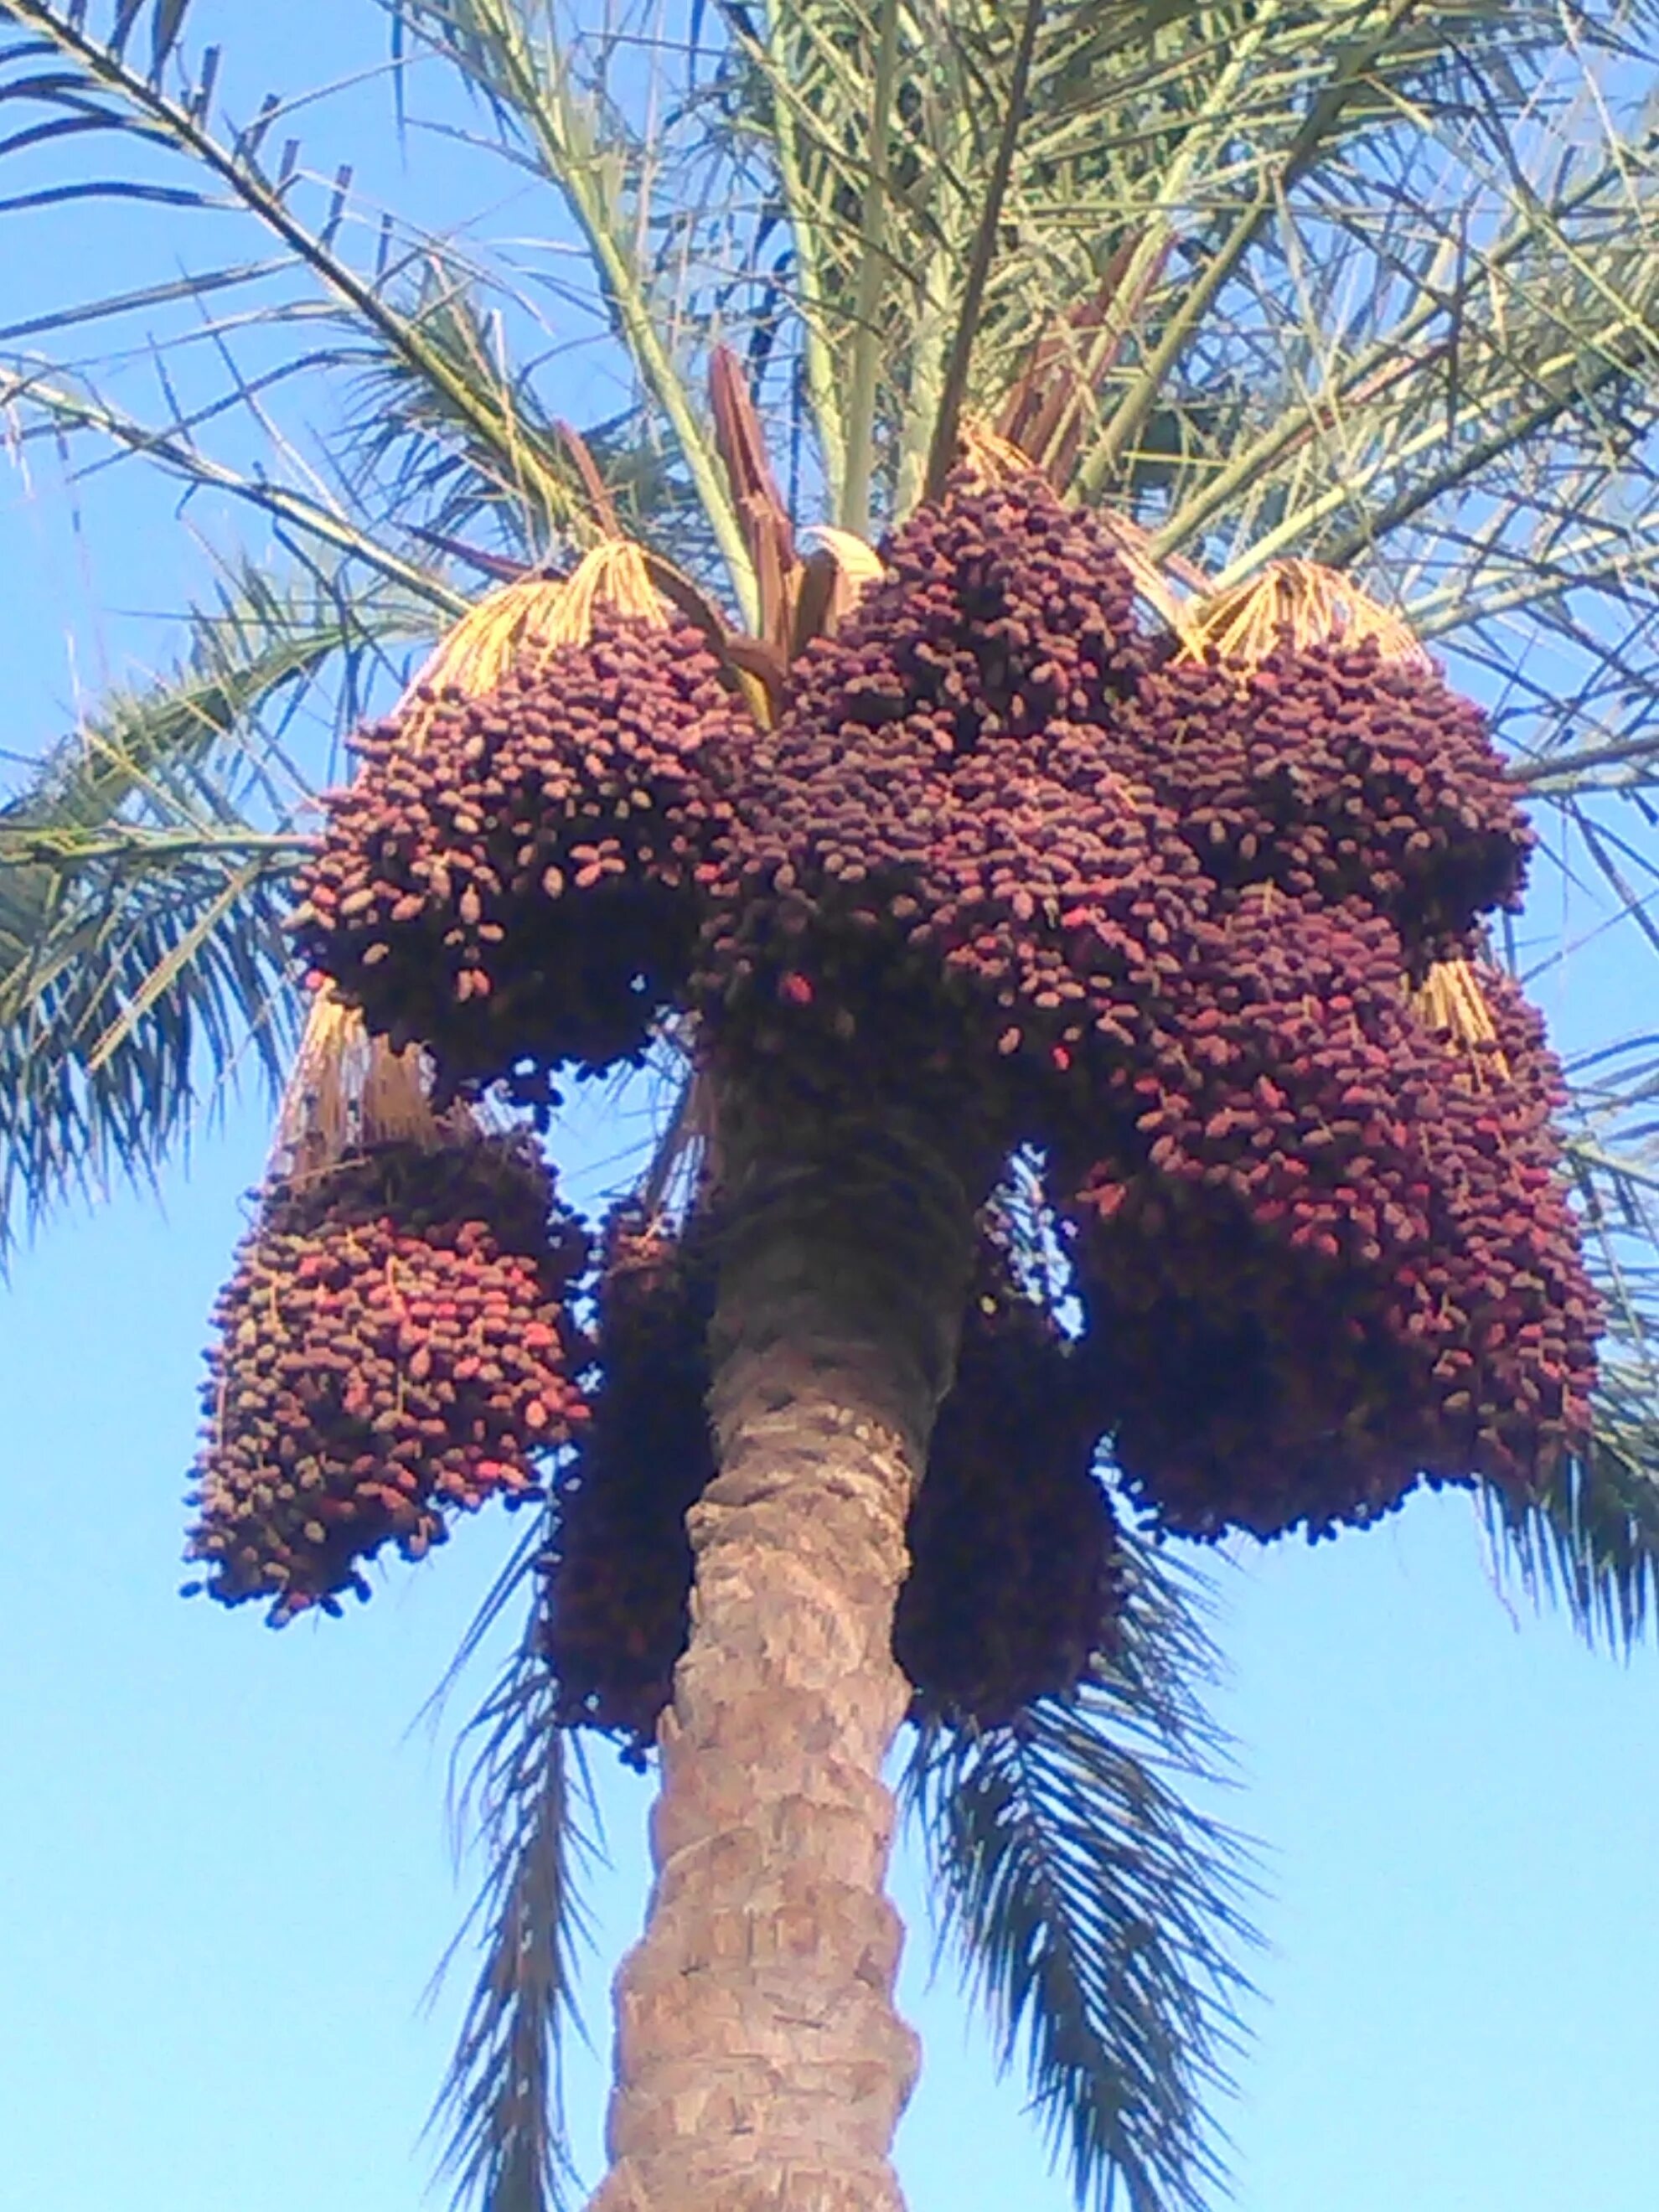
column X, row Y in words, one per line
column 500, row 2113
column 142, row 882
column 1161, row 149
column 580, row 141
column 1368, row 282
column 422, row 454
column 95, row 84
column 1591, row 1542
column 59, row 408
column 1098, row 1915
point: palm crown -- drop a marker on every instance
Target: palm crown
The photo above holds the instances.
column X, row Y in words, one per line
column 1104, row 797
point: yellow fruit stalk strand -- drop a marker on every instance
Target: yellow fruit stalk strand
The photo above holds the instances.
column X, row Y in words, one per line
column 1301, row 602
column 1450, row 998
column 348, row 1091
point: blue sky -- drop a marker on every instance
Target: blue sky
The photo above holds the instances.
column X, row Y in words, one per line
column 224, row 1863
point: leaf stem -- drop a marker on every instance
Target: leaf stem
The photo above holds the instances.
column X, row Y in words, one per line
column 871, row 272
column 942, row 452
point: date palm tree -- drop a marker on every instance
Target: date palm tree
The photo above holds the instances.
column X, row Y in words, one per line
column 1366, row 282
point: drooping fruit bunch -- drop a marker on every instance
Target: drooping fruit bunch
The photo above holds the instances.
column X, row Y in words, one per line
column 932, row 862
column 990, row 860
column 1339, row 1255
column 394, row 1343
column 1004, row 610
column 510, row 878
column 1012, row 1589
column 1513, row 1257
column 1304, row 739
column 620, row 1566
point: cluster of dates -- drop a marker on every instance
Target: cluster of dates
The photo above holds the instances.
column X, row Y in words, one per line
column 1334, row 1255
column 515, row 890
column 1163, row 912
column 1164, row 906
column 1013, row 1590
column 394, row 1345
column 933, row 880
column 1335, row 774
column 619, row 1568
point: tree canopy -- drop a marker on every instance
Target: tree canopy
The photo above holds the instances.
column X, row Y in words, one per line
column 1370, row 282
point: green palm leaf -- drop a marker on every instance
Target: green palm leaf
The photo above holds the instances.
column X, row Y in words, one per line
column 500, row 2115
column 1591, row 1543
column 94, row 83
column 413, row 452
column 142, row 882
column 572, row 134
column 1098, row 1915
column 315, row 527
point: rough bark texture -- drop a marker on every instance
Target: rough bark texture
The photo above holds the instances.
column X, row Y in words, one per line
column 760, row 2064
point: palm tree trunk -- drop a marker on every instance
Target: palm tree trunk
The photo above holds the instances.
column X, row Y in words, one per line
column 760, row 2062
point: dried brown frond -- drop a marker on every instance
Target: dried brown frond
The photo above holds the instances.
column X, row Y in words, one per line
column 473, row 657
column 534, row 616
column 742, row 445
column 614, row 577
column 1153, row 579
column 987, row 455
column 597, row 491
column 1054, row 403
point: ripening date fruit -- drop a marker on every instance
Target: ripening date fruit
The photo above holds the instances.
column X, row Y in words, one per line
column 393, row 1345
